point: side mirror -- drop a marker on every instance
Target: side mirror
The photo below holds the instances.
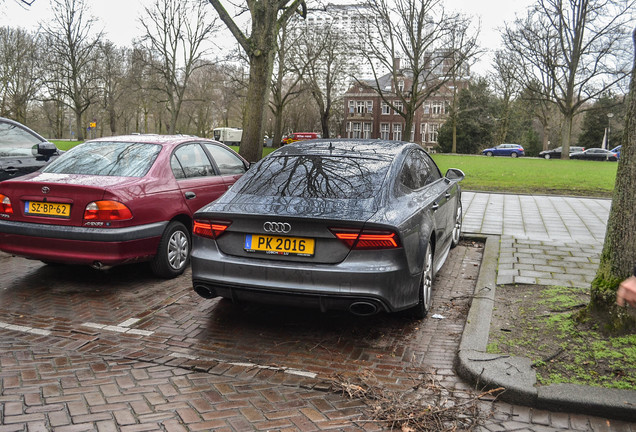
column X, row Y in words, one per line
column 44, row 149
column 455, row 174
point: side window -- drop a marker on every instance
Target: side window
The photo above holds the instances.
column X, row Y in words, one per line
column 433, row 171
column 177, row 169
column 193, row 162
column 408, row 176
column 15, row 141
column 419, row 170
column 227, row 162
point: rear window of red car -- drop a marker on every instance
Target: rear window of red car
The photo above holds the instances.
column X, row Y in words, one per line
column 121, row 159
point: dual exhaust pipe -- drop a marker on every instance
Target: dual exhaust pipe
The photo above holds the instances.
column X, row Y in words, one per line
column 359, row 308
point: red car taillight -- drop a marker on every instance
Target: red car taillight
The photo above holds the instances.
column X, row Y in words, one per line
column 210, row 229
column 367, row 238
column 107, row 211
column 5, row 205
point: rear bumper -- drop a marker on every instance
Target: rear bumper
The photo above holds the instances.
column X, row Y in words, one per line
column 362, row 284
column 80, row 245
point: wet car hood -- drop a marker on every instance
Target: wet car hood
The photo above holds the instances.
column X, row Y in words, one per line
column 319, row 208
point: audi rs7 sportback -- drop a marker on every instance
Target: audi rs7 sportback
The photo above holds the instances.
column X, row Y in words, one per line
column 117, row 200
column 358, row 225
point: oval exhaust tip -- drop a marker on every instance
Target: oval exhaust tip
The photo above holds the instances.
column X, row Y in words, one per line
column 363, row 308
column 204, row 291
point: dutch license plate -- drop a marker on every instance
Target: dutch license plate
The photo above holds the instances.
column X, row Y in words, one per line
column 38, row 208
column 275, row 245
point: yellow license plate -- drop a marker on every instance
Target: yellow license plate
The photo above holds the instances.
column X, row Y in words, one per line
column 38, row 208
column 275, row 245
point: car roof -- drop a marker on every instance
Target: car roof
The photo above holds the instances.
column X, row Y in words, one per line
column 23, row 127
column 151, row 139
column 371, row 148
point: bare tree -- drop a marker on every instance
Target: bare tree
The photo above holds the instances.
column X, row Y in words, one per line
column 619, row 251
column 267, row 17
column 507, row 88
column 175, row 32
column 288, row 73
column 113, row 70
column 573, row 50
column 72, row 57
column 326, row 62
column 20, row 72
column 422, row 46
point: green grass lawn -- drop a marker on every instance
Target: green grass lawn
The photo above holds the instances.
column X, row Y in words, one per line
column 65, row 145
column 532, row 175
column 520, row 175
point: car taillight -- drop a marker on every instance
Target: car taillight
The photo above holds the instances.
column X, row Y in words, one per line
column 210, row 229
column 5, row 205
column 367, row 238
column 107, row 211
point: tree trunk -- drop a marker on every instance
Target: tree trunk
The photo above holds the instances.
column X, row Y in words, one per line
column 566, row 135
column 80, row 126
column 619, row 251
column 257, row 93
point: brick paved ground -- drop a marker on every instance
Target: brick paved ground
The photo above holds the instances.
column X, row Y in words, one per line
column 81, row 350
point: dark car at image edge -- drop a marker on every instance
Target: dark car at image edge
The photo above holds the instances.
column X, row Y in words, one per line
column 22, row 150
column 357, row 225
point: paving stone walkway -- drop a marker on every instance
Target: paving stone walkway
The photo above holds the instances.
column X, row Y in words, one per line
column 545, row 240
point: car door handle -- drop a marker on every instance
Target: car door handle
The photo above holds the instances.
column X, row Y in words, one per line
column 448, row 195
column 190, row 195
column 435, row 206
column 11, row 170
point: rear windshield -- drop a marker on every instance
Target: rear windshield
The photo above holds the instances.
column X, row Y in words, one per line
column 121, row 159
column 312, row 176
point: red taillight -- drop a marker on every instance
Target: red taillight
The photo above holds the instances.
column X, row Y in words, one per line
column 5, row 205
column 107, row 211
column 367, row 238
column 210, row 229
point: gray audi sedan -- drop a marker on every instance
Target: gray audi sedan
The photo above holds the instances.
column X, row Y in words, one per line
column 357, row 225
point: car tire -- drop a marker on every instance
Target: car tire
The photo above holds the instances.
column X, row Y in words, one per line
column 488, row 153
column 547, row 156
column 457, row 228
column 513, row 155
column 173, row 253
column 425, row 291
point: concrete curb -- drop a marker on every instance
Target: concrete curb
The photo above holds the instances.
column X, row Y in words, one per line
column 515, row 374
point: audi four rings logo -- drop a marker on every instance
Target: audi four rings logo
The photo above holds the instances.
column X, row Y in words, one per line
column 277, row 227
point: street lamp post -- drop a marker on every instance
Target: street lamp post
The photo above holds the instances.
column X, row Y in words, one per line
column 609, row 121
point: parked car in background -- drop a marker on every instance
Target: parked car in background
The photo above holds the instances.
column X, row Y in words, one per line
column 300, row 136
column 357, row 225
column 597, row 154
column 512, row 150
column 22, row 150
column 117, row 200
column 555, row 153
column 617, row 150
column 228, row 136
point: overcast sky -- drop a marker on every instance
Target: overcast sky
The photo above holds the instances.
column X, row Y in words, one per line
column 119, row 18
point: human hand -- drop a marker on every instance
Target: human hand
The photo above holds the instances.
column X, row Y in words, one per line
column 627, row 292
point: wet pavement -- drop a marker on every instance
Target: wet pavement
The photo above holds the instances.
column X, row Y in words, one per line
column 122, row 350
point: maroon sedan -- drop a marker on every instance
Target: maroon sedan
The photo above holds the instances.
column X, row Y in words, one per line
column 117, row 200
